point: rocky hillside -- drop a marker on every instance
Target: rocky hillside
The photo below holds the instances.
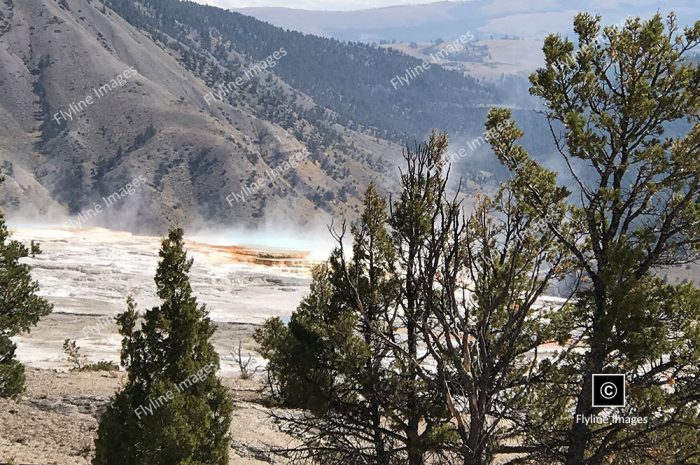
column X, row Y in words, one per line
column 182, row 116
column 99, row 120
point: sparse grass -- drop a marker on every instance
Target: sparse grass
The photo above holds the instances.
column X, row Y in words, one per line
column 102, row 365
column 72, row 351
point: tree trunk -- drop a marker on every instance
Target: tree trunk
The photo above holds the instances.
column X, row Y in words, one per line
column 578, row 436
column 379, row 449
column 415, row 453
column 474, row 453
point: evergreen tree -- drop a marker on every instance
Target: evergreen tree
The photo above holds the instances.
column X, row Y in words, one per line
column 315, row 363
column 405, row 419
column 311, row 357
column 20, row 307
column 332, row 72
column 412, row 220
column 371, row 291
column 353, row 343
column 173, row 409
column 482, row 279
column 634, row 211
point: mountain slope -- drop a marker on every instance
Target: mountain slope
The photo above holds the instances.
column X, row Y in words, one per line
column 107, row 111
column 354, row 80
column 156, row 127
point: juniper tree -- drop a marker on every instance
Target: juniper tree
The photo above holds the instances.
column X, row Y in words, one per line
column 371, row 291
column 408, row 420
column 311, row 357
column 344, row 356
column 313, row 364
column 173, row 409
column 381, row 284
column 623, row 110
column 20, row 306
column 469, row 288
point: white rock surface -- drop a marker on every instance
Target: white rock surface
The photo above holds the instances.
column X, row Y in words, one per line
column 88, row 273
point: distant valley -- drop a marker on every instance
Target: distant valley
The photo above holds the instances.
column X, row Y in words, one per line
column 448, row 19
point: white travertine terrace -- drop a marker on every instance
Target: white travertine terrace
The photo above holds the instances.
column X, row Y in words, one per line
column 88, row 273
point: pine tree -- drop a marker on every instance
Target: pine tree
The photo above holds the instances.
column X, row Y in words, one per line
column 401, row 418
column 20, row 307
column 173, row 409
column 619, row 108
column 371, row 291
column 412, row 220
column 311, row 357
column 316, row 363
column 482, row 278
column 350, row 353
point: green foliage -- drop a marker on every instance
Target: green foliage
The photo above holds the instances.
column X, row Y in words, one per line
column 72, row 352
column 12, row 377
column 484, row 320
column 20, row 307
column 630, row 210
column 350, row 353
column 610, row 100
column 142, row 138
column 309, row 357
column 173, row 409
column 102, row 365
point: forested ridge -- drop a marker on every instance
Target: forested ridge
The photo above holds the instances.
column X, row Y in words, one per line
column 349, row 78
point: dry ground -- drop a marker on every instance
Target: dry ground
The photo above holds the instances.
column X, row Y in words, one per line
column 55, row 421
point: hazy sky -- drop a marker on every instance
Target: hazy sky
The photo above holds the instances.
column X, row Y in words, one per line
column 311, row 4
